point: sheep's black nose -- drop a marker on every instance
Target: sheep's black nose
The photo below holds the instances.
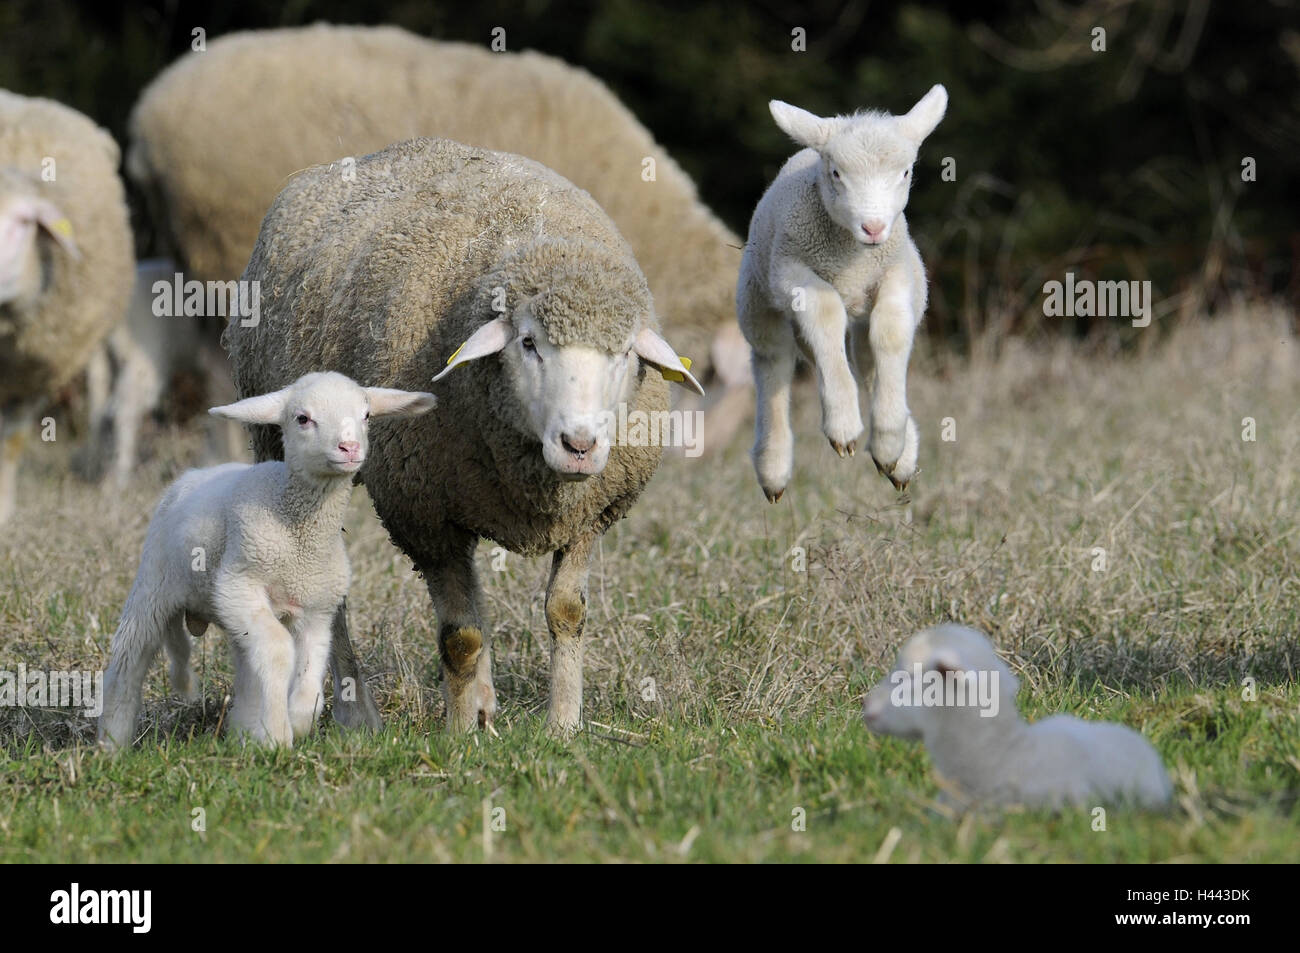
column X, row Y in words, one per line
column 577, row 445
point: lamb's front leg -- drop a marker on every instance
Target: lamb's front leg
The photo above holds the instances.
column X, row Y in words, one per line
column 462, row 637
column 818, row 312
column 894, row 438
column 307, row 690
column 265, row 652
column 566, row 616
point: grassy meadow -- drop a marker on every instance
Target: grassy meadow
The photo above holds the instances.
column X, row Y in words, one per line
column 1098, row 513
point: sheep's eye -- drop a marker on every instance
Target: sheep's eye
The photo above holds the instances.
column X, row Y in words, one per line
column 835, row 174
column 906, row 173
column 530, row 345
column 367, row 416
column 303, row 420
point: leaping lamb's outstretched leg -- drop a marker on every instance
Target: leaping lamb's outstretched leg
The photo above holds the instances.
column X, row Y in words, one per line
column 894, row 438
column 354, row 706
column 566, row 616
column 307, row 690
column 462, row 637
column 139, row 635
column 772, row 356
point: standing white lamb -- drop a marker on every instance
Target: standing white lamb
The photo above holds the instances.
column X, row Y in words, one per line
column 829, row 241
column 950, row 689
column 257, row 549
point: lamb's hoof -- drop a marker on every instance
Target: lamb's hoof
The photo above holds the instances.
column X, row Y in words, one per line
column 845, row 449
column 774, row 496
column 887, row 470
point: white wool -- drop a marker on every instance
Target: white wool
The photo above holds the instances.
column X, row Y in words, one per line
column 258, row 550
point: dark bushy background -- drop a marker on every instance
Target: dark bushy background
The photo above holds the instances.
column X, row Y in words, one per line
column 1122, row 164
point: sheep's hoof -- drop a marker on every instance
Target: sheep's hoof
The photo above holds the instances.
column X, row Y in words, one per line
column 845, row 449
column 887, row 471
column 774, row 496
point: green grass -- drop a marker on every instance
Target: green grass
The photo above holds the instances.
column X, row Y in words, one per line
column 758, row 670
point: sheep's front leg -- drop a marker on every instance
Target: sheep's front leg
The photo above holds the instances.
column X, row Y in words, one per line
column 462, row 638
column 354, row 706
column 894, row 438
column 15, row 425
column 566, row 616
column 818, row 313
column 265, row 657
column 307, row 690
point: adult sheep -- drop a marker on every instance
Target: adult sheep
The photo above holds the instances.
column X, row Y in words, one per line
column 65, row 260
column 216, row 136
column 513, row 288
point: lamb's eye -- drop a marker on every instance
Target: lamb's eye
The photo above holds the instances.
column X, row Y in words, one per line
column 835, row 174
column 906, row 173
column 530, row 345
column 367, row 416
column 303, row 420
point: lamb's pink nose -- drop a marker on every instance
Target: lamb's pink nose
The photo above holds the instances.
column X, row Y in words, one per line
column 874, row 229
column 578, row 444
column 351, row 449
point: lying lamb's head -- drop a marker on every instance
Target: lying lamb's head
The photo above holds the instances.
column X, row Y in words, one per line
column 27, row 220
column 570, row 352
column 325, row 419
column 919, row 693
column 866, row 160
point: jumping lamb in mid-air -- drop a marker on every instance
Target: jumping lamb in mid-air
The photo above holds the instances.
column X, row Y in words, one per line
column 510, row 287
column 828, row 242
column 950, row 689
column 258, row 550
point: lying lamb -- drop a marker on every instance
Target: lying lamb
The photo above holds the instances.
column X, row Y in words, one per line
column 496, row 272
column 829, row 241
column 258, row 550
column 950, row 689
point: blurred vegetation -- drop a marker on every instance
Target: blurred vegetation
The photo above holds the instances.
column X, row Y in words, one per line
column 1118, row 164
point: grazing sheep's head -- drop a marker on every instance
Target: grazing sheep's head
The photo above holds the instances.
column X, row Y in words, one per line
column 944, row 673
column 866, row 160
column 570, row 352
column 26, row 220
column 325, row 419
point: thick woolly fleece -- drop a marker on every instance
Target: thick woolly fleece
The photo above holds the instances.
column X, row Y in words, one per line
column 219, row 133
column 384, row 277
column 44, row 346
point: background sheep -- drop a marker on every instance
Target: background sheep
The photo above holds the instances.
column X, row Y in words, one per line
column 467, row 254
column 828, row 242
column 259, row 551
column 65, row 260
column 281, row 100
column 993, row 756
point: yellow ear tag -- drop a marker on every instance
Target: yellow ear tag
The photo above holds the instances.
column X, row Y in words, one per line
column 677, row 377
column 456, row 352
column 63, row 227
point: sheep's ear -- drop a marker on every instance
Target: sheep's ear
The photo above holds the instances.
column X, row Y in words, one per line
column 386, row 402
column 800, row 125
column 489, row 339
column 264, row 409
column 654, row 350
column 20, row 214
column 925, row 115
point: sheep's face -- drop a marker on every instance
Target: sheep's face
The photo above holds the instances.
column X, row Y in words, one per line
column 864, row 174
column 325, row 420
column 24, row 219
column 570, row 395
column 942, row 674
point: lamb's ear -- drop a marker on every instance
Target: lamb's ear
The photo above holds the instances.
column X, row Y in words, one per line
column 925, row 115
column 386, row 402
column 800, row 125
column 944, row 661
column 263, row 409
column 654, row 350
column 489, row 339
